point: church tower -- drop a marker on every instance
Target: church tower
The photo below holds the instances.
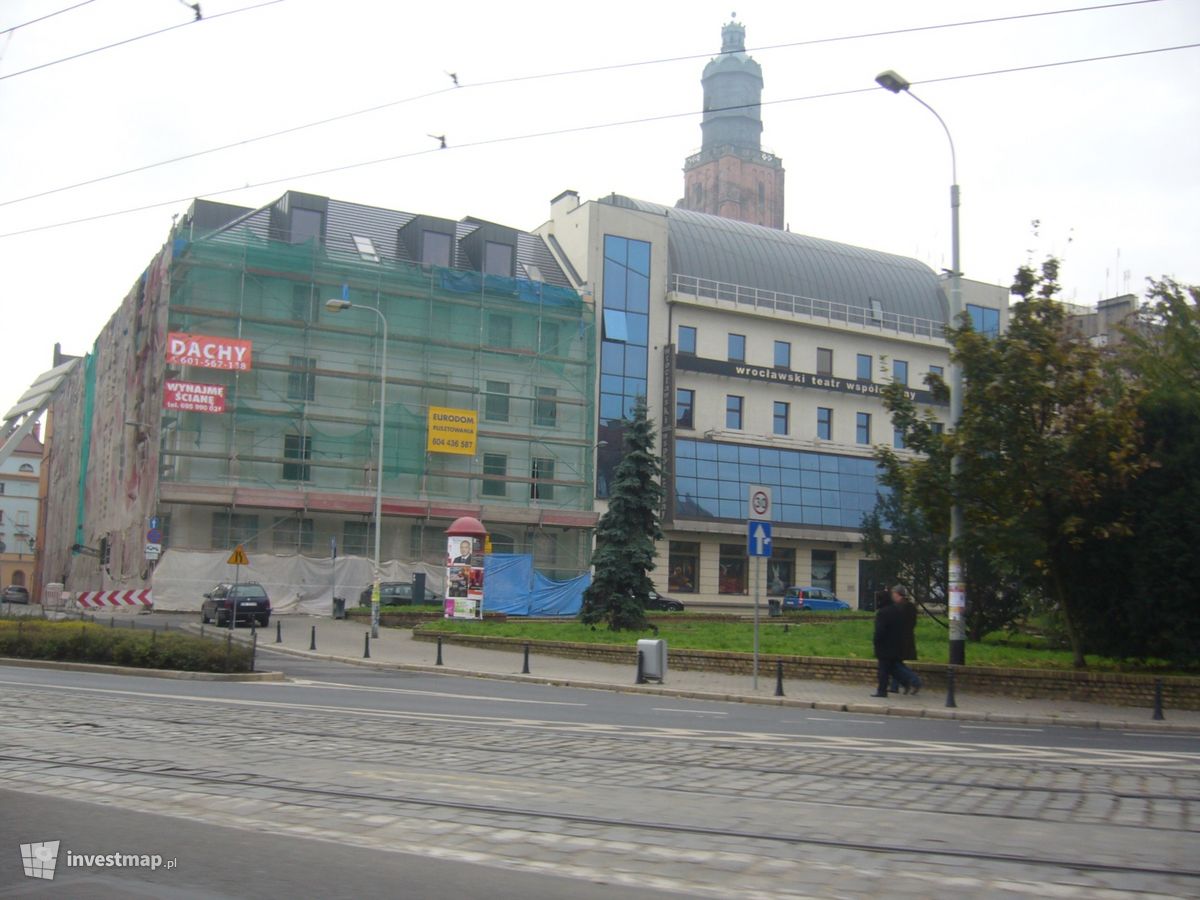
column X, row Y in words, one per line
column 731, row 176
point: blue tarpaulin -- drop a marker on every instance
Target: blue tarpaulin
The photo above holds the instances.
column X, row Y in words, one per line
column 511, row 586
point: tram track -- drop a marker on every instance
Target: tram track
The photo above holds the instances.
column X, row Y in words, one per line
column 524, row 816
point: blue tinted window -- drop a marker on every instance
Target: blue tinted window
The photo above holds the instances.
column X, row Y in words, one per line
column 824, row 423
column 737, row 348
column 616, row 327
column 900, row 371
column 612, row 358
column 638, row 325
column 616, row 248
column 687, row 339
column 839, row 494
column 864, row 367
column 780, row 418
column 614, row 285
column 637, row 293
column 862, row 427
column 733, row 411
column 984, row 319
column 783, row 355
column 639, row 257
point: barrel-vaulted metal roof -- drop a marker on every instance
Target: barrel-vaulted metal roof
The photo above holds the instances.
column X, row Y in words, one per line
column 739, row 253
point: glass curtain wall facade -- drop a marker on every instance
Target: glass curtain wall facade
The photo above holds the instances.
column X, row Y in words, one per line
column 624, row 347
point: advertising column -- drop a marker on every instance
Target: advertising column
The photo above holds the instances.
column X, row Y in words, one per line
column 464, row 569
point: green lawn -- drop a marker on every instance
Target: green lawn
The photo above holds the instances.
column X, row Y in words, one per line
column 840, row 636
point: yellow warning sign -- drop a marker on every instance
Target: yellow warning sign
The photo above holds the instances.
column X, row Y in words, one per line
column 238, row 556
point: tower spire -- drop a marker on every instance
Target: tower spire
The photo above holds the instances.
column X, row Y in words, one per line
column 731, row 176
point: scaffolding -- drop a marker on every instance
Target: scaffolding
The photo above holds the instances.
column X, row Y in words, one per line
column 305, row 416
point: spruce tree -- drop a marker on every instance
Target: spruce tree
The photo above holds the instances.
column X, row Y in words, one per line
column 626, row 533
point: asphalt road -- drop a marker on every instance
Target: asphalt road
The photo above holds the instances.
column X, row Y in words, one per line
column 615, row 792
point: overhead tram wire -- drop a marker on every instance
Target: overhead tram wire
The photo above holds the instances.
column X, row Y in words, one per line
column 46, row 65
column 547, row 75
column 578, row 129
column 13, row 28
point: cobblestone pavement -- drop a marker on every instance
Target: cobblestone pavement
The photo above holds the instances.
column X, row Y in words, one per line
column 699, row 811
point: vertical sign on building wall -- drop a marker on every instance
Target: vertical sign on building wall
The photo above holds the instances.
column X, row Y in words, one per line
column 667, row 441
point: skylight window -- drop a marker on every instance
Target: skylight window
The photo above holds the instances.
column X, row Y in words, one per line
column 366, row 249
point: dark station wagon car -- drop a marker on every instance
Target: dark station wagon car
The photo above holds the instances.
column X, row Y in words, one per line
column 247, row 602
column 398, row 593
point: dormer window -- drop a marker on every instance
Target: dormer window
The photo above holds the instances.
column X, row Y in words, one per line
column 498, row 259
column 306, row 225
column 435, row 248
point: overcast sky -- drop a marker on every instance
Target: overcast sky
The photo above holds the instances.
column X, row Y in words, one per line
column 1104, row 154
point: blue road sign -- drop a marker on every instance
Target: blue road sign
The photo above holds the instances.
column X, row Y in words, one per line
column 758, row 538
column 154, row 523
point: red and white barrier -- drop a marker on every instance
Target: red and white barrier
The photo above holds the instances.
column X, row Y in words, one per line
column 114, row 599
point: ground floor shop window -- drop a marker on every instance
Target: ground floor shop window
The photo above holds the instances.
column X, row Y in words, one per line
column 732, row 578
column 781, row 571
column 824, row 569
column 683, row 564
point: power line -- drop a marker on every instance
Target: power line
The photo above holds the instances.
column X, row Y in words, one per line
column 546, row 75
column 45, row 17
column 46, row 65
column 576, row 130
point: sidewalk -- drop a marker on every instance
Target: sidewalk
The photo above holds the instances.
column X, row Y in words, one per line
column 345, row 641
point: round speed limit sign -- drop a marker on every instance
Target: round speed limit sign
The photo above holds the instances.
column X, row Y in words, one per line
column 760, row 502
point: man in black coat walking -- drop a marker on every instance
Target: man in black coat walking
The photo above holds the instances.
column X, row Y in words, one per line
column 889, row 644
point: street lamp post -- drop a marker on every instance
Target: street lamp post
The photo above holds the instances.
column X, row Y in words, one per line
column 337, row 304
column 957, row 599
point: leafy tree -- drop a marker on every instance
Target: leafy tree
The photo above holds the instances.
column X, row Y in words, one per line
column 908, row 530
column 1148, row 594
column 626, row 533
column 1048, row 435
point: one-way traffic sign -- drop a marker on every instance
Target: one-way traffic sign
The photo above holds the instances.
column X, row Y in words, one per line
column 758, row 538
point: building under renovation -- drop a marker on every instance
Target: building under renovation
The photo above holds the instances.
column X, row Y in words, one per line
column 225, row 404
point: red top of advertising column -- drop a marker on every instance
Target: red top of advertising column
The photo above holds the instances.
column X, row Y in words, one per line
column 468, row 526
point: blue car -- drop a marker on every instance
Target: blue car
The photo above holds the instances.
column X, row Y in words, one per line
column 812, row 598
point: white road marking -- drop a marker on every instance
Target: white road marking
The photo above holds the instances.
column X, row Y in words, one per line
column 998, row 728
column 337, row 686
column 693, row 712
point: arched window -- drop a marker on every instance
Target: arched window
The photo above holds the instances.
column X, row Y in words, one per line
column 26, row 468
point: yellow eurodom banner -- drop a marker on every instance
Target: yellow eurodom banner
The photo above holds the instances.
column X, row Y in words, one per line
column 452, row 430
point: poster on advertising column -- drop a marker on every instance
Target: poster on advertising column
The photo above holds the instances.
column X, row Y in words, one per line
column 464, row 578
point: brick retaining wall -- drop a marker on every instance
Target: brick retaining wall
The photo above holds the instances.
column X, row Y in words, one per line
column 1111, row 688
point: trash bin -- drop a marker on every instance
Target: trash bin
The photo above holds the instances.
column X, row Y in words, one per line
column 339, row 607
column 773, row 608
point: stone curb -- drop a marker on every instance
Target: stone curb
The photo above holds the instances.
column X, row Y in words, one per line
column 795, row 703
column 133, row 670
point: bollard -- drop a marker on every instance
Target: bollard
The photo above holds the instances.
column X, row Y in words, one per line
column 525, row 669
column 779, row 678
column 367, row 645
column 112, row 621
column 201, row 629
column 950, row 704
column 1158, row 714
column 439, row 659
column 166, row 627
column 278, row 632
column 153, row 636
column 312, row 644
column 641, row 669
column 786, row 626
column 228, row 649
column 253, row 648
